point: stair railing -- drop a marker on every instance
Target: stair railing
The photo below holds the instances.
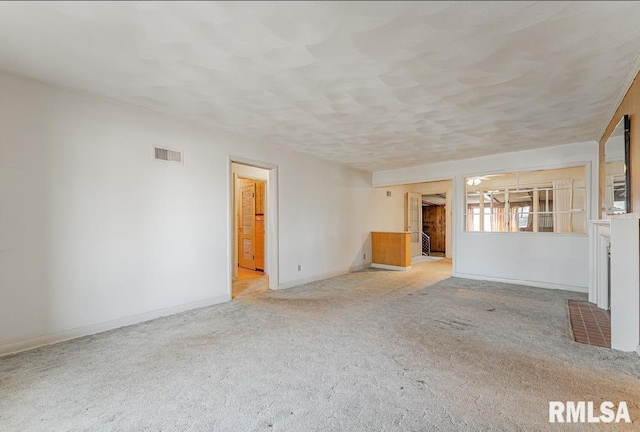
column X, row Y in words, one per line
column 426, row 244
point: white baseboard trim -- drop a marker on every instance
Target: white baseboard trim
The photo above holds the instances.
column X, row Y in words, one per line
column 535, row 284
column 390, row 267
column 360, row 267
column 53, row 338
column 323, row 276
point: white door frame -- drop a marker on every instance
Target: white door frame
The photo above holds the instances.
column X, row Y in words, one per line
column 271, row 238
column 407, row 221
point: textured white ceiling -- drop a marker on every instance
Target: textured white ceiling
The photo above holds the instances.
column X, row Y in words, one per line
column 372, row 85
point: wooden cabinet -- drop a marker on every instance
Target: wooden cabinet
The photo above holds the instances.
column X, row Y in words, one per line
column 259, row 242
column 391, row 250
column 260, row 197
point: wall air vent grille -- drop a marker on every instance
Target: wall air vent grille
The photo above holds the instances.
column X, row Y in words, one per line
column 168, row 155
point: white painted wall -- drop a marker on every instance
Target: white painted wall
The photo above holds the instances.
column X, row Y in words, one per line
column 538, row 259
column 95, row 233
column 388, row 211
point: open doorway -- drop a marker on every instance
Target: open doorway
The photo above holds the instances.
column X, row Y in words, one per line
column 434, row 224
column 426, row 220
column 252, row 245
column 425, row 211
column 408, row 233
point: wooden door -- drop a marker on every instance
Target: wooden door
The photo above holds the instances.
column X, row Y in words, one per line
column 259, row 242
column 246, row 225
column 434, row 224
column 413, row 221
column 260, row 197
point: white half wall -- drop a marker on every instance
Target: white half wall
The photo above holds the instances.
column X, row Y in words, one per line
column 93, row 230
column 537, row 259
column 625, row 284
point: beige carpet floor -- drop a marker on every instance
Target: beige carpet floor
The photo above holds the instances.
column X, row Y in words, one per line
column 369, row 351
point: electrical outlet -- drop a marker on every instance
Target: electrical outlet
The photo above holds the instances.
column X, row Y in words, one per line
column 364, row 256
column 388, row 193
column 299, row 267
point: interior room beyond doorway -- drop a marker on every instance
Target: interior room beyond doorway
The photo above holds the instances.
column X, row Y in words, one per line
column 250, row 215
column 434, row 224
column 424, row 210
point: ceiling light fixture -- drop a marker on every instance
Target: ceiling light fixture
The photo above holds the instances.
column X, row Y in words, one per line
column 473, row 181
